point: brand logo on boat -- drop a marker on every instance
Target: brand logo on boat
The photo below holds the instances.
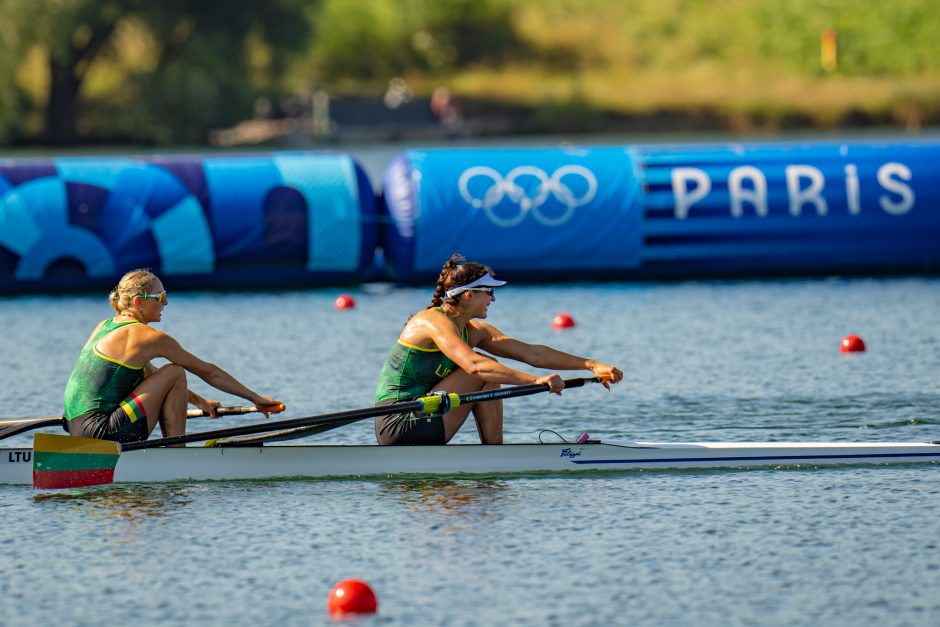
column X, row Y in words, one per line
column 506, row 200
column 570, row 454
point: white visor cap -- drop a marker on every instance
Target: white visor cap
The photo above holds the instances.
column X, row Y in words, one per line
column 486, row 280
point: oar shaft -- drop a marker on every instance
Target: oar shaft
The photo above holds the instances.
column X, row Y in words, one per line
column 9, row 428
column 16, row 422
column 29, row 425
column 428, row 404
column 368, row 412
column 235, row 410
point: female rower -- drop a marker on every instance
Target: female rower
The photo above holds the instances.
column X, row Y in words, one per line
column 435, row 352
column 115, row 393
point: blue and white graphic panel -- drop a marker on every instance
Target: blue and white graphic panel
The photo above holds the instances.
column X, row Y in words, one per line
column 230, row 221
column 777, row 208
column 525, row 212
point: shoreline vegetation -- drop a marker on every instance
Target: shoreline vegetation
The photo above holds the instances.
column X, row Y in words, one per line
column 285, row 71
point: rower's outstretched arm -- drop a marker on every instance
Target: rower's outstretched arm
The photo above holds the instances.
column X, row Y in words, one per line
column 170, row 349
column 541, row 356
column 473, row 363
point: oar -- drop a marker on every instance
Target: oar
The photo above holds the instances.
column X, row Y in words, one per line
column 9, row 428
column 14, row 427
column 328, row 422
column 61, row 461
column 233, row 410
column 15, row 422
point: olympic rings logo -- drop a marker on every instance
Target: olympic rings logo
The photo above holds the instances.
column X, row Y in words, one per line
column 507, row 188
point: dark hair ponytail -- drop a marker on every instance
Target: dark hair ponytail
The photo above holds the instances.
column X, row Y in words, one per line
column 456, row 272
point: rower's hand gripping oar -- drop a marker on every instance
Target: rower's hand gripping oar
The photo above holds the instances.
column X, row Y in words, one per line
column 62, row 461
column 9, row 428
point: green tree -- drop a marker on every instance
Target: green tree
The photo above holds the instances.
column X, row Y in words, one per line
column 379, row 39
column 199, row 74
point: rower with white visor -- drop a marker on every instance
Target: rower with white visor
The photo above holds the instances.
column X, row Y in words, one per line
column 448, row 347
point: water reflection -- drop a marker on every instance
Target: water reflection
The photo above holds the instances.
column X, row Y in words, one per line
column 131, row 503
column 449, row 499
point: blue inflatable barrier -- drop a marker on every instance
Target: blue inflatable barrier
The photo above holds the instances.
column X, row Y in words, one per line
column 790, row 208
column 227, row 221
column 532, row 213
column 310, row 219
column 679, row 211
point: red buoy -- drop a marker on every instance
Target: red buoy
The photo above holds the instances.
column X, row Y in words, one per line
column 852, row 344
column 352, row 596
column 563, row 321
column 344, row 301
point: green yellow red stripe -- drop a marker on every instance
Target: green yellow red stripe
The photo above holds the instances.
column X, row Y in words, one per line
column 65, row 461
column 134, row 408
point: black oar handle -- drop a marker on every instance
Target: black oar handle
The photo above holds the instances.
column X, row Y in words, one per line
column 346, row 416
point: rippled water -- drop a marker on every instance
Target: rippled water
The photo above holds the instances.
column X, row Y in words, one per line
column 714, row 361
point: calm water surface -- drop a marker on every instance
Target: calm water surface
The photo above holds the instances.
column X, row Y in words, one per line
column 706, row 361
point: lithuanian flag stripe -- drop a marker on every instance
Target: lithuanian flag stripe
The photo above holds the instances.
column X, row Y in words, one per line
column 56, row 479
column 54, row 443
column 133, row 408
column 71, row 461
column 65, row 461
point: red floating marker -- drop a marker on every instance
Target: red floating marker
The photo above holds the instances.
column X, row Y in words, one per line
column 852, row 344
column 352, row 596
column 563, row 321
column 344, row 301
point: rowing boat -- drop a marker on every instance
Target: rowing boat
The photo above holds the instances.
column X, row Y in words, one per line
column 259, row 462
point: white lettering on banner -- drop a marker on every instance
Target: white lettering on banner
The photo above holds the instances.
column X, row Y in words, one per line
column 851, row 189
column 740, row 195
column 800, row 196
column 885, row 174
column 685, row 199
column 805, row 186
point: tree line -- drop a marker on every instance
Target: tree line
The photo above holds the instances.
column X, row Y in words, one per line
column 168, row 72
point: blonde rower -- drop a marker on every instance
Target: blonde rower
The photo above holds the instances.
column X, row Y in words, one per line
column 114, row 393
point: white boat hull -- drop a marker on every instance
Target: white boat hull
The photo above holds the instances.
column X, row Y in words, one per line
column 316, row 460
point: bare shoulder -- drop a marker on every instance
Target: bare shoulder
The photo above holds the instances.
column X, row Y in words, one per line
column 146, row 334
column 425, row 326
column 429, row 317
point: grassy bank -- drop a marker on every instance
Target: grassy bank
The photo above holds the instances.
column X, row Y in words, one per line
column 738, row 64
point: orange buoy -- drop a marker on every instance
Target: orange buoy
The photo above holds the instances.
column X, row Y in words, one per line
column 352, row 596
column 563, row 321
column 852, row 344
column 344, row 301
